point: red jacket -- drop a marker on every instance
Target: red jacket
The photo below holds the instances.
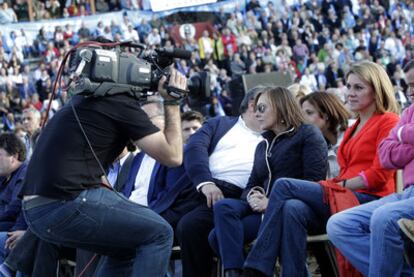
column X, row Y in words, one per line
column 359, row 155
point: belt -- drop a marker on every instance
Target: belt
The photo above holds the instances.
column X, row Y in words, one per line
column 234, row 190
column 33, row 201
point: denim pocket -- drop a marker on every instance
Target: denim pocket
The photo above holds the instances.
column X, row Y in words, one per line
column 72, row 227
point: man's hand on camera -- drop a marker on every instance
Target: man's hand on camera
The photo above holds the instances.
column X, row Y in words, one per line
column 177, row 80
column 212, row 193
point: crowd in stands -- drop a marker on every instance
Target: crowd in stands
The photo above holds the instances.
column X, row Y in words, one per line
column 315, row 41
column 318, row 42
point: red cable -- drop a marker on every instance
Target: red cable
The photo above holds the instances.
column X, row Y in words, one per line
column 87, row 265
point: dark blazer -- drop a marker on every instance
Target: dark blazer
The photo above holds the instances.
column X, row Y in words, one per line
column 167, row 183
column 162, row 190
column 202, row 144
column 122, row 178
column 11, row 215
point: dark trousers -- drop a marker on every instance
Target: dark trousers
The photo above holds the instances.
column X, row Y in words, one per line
column 192, row 234
column 235, row 224
column 36, row 257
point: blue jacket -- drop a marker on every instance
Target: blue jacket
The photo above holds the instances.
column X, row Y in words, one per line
column 300, row 154
column 11, row 215
column 162, row 190
column 166, row 183
column 202, row 144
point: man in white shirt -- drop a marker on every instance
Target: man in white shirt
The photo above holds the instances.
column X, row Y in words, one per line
column 218, row 160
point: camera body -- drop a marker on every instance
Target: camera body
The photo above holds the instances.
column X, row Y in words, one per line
column 99, row 71
column 110, row 71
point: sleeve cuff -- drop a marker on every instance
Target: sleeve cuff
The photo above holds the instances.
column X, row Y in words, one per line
column 364, row 179
column 399, row 132
column 198, row 187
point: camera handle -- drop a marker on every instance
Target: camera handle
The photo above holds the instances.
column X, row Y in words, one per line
column 176, row 93
column 86, row 56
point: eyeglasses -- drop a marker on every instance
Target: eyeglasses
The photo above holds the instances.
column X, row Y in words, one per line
column 261, row 108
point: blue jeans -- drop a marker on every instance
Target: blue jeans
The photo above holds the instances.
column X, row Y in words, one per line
column 369, row 236
column 3, row 251
column 136, row 240
column 296, row 208
column 234, row 225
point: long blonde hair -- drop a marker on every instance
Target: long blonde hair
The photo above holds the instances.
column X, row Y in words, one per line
column 377, row 77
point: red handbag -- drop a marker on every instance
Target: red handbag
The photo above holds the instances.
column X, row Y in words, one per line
column 339, row 199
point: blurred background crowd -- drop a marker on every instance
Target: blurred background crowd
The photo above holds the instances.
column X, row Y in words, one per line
column 315, row 41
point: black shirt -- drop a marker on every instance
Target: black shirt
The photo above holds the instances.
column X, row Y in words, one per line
column 63, row 165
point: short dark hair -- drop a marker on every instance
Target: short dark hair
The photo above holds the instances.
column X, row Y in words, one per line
column 192, row 115
column 249, row 96
column 409, row 66
column 13, row 145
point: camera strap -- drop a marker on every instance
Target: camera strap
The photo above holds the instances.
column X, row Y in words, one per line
column 90, row 147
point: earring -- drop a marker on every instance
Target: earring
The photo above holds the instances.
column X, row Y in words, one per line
column 282, row 121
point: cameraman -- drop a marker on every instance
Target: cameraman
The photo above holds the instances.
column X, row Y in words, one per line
column 65, row 202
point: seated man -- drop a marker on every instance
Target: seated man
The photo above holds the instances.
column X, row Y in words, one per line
column 12, row 173
column 218, row 160
column 165, row 190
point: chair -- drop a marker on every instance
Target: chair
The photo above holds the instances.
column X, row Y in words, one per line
column 218, row 270
column 330, row 250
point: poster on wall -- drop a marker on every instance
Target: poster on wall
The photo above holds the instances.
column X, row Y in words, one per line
column 164, row 5
column 190, row 30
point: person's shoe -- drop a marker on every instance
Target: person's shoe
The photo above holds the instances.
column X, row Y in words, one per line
column 250, row 272
column 407, row 226
column 232, row 273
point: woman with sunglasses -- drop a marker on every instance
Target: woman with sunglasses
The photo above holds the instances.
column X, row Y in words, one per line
column 290, row 148
column 297, row 207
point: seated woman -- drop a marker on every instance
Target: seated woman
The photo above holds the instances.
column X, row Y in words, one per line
column 297, row 207
column 369, row 235
column 291, row 148
column 327, row 112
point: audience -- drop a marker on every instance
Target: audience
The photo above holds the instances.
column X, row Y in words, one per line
column 191, row 121
column 368, row 235
column 31, row 125
column 297, row 207
column 315, row 41
column 290, row 148
column 12, row 173
column 329, row 114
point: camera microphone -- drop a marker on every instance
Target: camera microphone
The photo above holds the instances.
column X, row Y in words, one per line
column 172, row 52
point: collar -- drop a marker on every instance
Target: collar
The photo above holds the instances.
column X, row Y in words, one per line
column 242, row 123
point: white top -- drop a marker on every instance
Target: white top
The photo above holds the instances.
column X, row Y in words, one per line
column 232, row 159
column 142, row 180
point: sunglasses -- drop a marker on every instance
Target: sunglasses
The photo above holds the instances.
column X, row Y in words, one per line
column 261, row 108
